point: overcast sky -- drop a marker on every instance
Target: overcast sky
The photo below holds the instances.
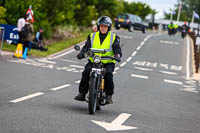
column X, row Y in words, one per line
column 159, row 5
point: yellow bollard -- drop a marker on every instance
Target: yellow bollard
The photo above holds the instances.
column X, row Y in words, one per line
column 19, row 50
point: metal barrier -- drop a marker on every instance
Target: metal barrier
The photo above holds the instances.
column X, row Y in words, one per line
column 2, row 30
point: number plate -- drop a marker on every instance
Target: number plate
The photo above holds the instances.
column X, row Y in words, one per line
column 121, row 20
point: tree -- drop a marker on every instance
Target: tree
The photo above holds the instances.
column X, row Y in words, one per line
column 2, row 15
column 138, row 8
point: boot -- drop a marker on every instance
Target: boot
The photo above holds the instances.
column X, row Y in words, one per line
column 109, row 99
column 80, row 97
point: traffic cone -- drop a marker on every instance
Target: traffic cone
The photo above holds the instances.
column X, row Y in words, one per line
column 19, row 50
column 25, row 53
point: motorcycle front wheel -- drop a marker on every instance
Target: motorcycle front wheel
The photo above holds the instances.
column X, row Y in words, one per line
column 92, row 101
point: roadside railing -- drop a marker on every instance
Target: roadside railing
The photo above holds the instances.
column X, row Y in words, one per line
column 196, row 47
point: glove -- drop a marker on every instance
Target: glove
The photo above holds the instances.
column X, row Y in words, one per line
column 117, row 58
column 80, row 56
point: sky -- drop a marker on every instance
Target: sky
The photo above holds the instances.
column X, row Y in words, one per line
column 159, row 5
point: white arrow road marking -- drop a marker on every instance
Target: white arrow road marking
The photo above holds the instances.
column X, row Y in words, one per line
column 26, row 97
column 60, row 87
column 173, row 82
column 139, row 76
column 116, row 124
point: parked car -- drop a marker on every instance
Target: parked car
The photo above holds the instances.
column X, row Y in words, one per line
column 129, row 21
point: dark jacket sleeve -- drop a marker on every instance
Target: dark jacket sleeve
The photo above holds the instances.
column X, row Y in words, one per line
column 116, row 46
column 87, row 45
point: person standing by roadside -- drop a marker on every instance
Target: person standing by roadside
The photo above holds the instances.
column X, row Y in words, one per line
column 28, row 37
column 20, row 24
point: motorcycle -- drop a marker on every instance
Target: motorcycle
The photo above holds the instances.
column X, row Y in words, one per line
column 96, row 96
column 183, row 33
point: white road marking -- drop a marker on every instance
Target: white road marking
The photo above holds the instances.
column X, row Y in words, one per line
column 142, row 43
column 188, row 60
column 177, row 68
column 140, row 76
column 145, row 69
column 123, row 64
column 78, row 81
column 169, row 42
column 27, row 97
column 138, row 48
column 139, row 63
column 190, row 90
column 116, row 125
column 117, row 68
column 173, row 82
column 146, row 39
column 60, row 87
column 134, row 53
column 46, row 61
column 149, row 64
column 166, row 66
column 129, row 59
column 166, row 72
column 72, row 61
column 76, row 66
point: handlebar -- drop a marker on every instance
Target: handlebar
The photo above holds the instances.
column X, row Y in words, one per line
column 113, row 58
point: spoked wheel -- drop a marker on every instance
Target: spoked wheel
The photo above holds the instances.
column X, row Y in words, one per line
column 92, row 103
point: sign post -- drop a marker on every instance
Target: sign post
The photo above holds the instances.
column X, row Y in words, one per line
column 1, row 40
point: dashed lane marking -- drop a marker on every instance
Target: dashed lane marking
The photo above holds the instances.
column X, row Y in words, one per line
column 129, row 59
column 123, row 64
column 173, row 82
column 27, row 97
column 140, row 76
column 134, row 53
column 60, row 87
column 170, row 73
column 144, row 69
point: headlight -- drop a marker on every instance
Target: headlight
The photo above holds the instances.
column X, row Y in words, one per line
column 97, row 59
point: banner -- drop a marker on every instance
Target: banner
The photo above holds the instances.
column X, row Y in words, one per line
column 10, row 33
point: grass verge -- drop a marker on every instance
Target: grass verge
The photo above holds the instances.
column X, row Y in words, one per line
column 52, row 48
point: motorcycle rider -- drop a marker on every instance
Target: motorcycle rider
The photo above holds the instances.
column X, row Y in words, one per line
column 102, row 39
column 184, row 30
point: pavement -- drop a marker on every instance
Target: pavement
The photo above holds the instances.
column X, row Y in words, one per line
column 6, row 54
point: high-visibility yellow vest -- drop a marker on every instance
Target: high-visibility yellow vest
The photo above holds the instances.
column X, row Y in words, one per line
column 170, row 26
column 107, row 45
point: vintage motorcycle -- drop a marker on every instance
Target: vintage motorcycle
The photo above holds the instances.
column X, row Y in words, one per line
column 96, row 96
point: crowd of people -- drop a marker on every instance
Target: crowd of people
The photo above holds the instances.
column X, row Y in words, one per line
column 26, row 34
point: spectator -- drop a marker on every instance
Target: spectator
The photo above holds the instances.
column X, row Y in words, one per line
column 38, row 40
column 94, row 28
column 28, row 37
column 20, row 24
